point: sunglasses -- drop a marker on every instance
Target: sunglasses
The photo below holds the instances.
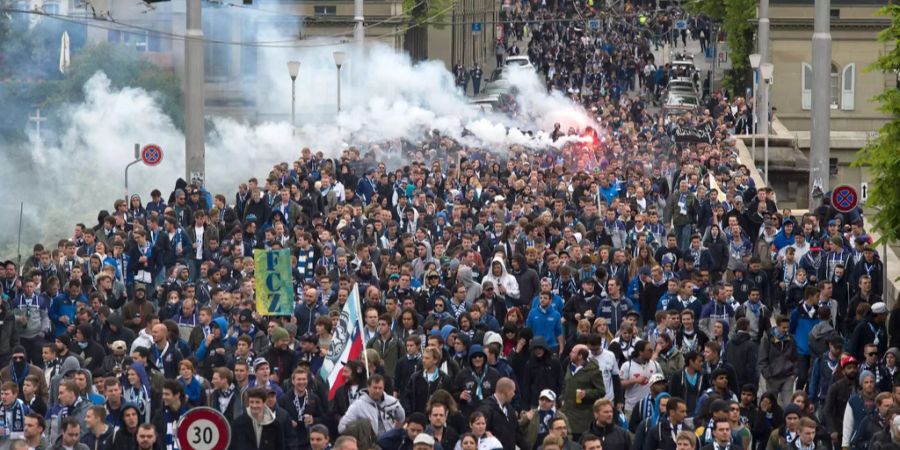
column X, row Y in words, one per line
column 871, row 354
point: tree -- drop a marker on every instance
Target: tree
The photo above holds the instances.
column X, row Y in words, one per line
column 734, row 17
column 125, row 68
column 882, row 154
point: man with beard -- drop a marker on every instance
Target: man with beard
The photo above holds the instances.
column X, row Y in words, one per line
column 845, row 384
column 126, row 434
column 138, row 311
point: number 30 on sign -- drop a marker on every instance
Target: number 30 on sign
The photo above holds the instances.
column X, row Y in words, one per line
column 204, row 429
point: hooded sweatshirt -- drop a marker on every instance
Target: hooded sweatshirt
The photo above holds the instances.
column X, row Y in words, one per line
column 505, row 279
column 382, row 415
column 473, row 289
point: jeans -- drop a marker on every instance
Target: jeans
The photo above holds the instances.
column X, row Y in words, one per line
column 683, row 236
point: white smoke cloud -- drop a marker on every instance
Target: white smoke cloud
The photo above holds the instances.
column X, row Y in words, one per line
column 70, row 176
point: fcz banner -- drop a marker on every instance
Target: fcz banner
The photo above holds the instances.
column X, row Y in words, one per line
column 274, row 285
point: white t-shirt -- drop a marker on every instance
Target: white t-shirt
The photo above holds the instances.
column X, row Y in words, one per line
column 608, row 365
column 199, row 232
column 632, row 369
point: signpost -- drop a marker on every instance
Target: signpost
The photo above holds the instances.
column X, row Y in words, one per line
column 681, row 25
column 203, row 428
column 150, row 154
column 844, row 198
column 476, row 28
column 594, row 24
column 863, row 192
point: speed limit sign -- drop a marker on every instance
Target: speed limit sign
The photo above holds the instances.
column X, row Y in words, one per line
column 203, row 428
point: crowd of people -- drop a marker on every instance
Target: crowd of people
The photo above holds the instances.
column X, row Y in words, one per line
column 656, row 298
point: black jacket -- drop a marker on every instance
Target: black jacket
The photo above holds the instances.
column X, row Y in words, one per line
column 102, row 442
column 313, row 406
column 418, row 390
column 540, row 373
column 836, row 400
column 504, row 427
column 466, row 380
column 613, row 436
column 660, row 437
column 679, row 387
column 741, row 352
column 244, row 435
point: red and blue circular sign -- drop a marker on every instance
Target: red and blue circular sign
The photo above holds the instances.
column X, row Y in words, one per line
column 151, row 154
column 844, row 198
column 203, row 428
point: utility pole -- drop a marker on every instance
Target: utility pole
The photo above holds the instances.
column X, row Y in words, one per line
column 194, row 125
column 359, row 31
column 820, row 142
column 762, row 43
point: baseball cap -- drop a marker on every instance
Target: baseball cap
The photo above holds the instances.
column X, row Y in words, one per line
column 259, row 362
column 656, row 378
column 119, row 346
column 848, row 359
column 879, row 308
column 424, row 439
column 548, row 394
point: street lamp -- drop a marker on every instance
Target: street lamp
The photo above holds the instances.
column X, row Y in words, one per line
column 293, row 70
column 765, row 71
column 755, row 59
column 339, row 58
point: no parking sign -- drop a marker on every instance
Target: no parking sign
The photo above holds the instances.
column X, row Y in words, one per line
column 151, row 154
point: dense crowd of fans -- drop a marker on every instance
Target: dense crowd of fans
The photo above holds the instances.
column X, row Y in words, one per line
column 655, row 298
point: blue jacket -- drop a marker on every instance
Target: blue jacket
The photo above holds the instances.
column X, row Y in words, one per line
column 556, row 302
column 614, row 313
column 64, row 305
column 547, row 324
column 801, row 326
column 821, row 378
column 782, row 240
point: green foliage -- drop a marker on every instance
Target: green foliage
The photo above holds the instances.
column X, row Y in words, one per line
column 425, row 12
column 882, row 154
column 734, row 17
column 739, row 29
column 30, row 76
column 712, row 8
column 125, row 68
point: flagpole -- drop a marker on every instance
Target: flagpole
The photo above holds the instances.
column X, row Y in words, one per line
column 362, row 327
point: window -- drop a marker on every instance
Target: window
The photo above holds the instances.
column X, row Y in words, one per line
column 806, row 87
column 835, row 86
column 848, row 89
column 325, row 10
column 842, row 84
column 216, row 57
column 51, row 8
column 136, row 40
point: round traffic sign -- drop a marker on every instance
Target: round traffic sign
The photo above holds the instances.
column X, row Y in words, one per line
column 844, row 198
column 203, row 428
column 151, row 154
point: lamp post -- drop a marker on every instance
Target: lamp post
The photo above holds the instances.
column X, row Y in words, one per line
column 755, row 59
column 339, row 58
column 293, row 70
column 766, row 70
